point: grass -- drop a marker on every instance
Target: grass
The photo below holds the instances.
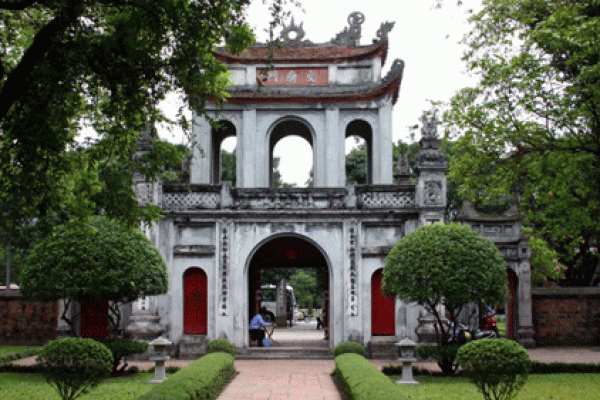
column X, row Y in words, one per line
column 8, row 350
column 17, row 386
column 538, row 387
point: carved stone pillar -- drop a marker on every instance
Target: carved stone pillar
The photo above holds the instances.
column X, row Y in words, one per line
column 431, row 165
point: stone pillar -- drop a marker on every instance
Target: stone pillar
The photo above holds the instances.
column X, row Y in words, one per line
column 431, row 165
column 200, row 164
column 525, row 331
column 382, row 147
column 246, row 151
column 335, row 157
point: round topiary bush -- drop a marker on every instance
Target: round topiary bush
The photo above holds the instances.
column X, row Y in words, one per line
column 498, row 367
column 73, row 366
column 218, row 345
column 349, row 347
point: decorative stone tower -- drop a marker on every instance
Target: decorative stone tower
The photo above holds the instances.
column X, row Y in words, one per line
column 431, row 165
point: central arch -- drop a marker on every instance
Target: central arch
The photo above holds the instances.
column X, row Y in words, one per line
column 290, row 252
column 285, row 127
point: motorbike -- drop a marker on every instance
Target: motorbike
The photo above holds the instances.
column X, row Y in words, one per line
column 461, row 333
column 487, row 322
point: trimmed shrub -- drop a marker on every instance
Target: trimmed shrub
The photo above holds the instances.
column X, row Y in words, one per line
column 498, row 367
column 203, row 379
column 348, row 347
column 445, row 356
column 538, row 367
column 74, row 366
column 122, row 348
column 361, row 380
column 217, row 345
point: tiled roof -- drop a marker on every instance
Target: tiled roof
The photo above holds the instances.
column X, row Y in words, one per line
column 314, row 54
column 326, row 94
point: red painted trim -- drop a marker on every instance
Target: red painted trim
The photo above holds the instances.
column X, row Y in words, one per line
column 269, row 98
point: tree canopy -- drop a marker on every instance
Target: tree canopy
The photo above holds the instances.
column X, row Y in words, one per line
column 71, row 65
column 445, row 264
column 531, row 126
column 103, row 260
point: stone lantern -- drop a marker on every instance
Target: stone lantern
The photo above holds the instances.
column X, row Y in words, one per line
column 159, row 358
column 407, row 350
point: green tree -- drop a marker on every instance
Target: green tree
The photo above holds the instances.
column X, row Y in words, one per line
column 531, row 126
column 228, row 169
column 449, row 265
column 69, row 65
column 356, row 159
column 305, row 287
column 102, row 260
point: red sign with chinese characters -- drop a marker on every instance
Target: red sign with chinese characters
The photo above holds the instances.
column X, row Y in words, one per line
column 293, row 76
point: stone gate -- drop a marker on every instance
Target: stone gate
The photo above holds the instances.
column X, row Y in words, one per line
column 215, row 236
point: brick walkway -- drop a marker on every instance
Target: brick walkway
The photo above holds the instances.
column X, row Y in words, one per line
column 282, row 380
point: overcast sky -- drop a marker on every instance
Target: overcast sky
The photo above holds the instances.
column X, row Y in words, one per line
column 424, row 37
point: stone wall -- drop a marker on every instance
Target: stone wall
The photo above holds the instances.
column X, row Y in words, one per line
column 26, row 321
column 566, row 316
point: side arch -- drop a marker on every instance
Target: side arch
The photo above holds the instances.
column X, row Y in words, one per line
column 224, row 130
column 363, row 129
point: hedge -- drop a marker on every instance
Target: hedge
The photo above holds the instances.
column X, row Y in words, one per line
column 203, row 379
column 361, row 380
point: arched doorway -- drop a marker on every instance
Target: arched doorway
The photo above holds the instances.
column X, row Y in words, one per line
column 383, row 322
column 283, row 256
column 194, row 302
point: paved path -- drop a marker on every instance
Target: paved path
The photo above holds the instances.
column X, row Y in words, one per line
column 282, row 380
column 311, row 379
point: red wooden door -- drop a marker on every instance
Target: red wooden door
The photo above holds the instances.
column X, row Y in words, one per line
column 382, row 309
column 94, row 319
column 194, row 302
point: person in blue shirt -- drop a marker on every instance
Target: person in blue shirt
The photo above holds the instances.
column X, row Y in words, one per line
column 256, row 326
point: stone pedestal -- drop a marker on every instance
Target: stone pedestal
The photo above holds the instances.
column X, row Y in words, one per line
column 144, row 326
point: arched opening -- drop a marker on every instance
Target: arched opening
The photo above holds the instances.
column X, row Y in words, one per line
column 195, row 305
column 221, row 131
column 359, row 145
column 229, row 160
column 383, row 321
column 291, row 142
column 511, row 307
column 306, row 273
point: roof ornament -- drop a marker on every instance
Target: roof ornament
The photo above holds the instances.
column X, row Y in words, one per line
column 293, row 34
column 383, row 31
column 429, row 128
column 350, row 36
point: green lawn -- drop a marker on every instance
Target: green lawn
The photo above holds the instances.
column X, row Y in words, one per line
column 15, row 386
column 6, row 350
column 538, row 387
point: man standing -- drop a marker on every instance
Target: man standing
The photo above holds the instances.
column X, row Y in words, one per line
column 256, row 326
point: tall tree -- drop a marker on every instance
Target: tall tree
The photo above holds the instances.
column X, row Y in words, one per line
column 531, row 127
column 69, row 65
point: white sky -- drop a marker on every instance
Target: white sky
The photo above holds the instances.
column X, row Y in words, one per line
column 424, row 37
